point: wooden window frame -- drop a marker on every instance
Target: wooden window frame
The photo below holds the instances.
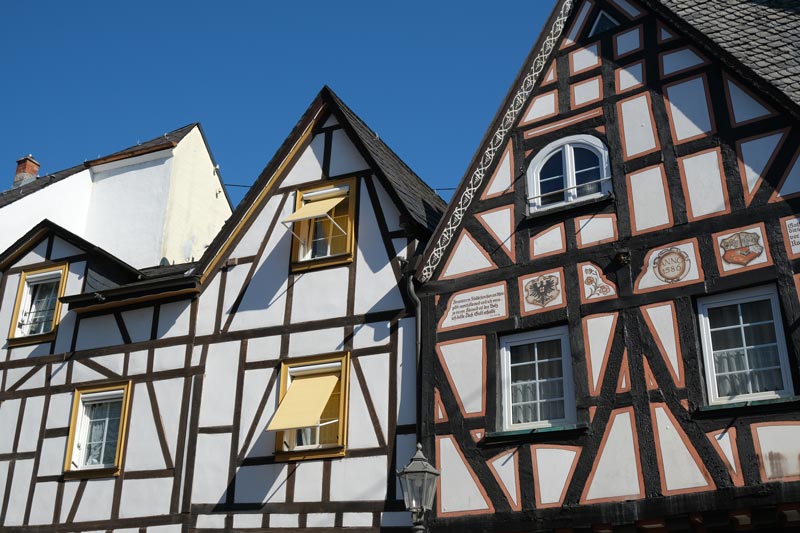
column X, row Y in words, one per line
column 299, row 264
column 286, row 369
column 15, row 336
column 529, row 337
column 766, row 292
column 79, row 404
column 565, row 147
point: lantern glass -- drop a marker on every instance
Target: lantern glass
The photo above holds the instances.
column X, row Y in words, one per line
column 418, row 481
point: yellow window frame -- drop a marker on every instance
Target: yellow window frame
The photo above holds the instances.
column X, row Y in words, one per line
column 300, row 228
column 77, row 413
column 15, row 338
column 340, row 448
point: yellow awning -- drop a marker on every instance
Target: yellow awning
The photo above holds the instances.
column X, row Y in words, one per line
column 304, row 402
column 314, row 209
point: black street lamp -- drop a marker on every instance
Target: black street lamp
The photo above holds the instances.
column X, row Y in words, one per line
column 418, row 481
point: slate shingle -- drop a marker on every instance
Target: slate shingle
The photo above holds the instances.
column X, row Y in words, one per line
column 763, row 34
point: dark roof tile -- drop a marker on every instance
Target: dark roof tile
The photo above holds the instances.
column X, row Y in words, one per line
column 764, row 35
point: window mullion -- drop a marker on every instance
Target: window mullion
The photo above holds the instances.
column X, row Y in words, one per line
column 569, row 173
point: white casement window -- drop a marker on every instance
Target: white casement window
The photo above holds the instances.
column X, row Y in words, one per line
column 97, row 429
column 312, row 414
column 537, row 379
column 38, row 306
column 567, row 170
column 744, row 347
column 322, row 223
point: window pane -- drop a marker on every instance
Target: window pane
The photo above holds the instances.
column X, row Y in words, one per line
column 550, row 369
column 548, row 349
column 523, row 353
column 523, row 392
column 732, row 384
column 725, row 339
column 726, row 315
column 585, row 159
column 761, row 334
column 523, row 373
column 764, row 357
column 766, row 380
column 552, row 410
column 552, row 390
column 591, row 180
column 38, row 318
column 730, row 361
column 521, row 414
column 551, row 180
column 760, row 311
column 587, row 171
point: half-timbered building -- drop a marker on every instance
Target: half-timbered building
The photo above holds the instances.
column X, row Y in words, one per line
column 610, row 301
column 270, row 384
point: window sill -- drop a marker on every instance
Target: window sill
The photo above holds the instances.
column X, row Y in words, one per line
column 31, row 339
column 308, row 455
column 566, row 206
column 534, row 435
column 789, row 403
column 92, row 473
column 322, row 262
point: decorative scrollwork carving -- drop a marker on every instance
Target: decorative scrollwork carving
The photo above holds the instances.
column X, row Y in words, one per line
column 498, row 140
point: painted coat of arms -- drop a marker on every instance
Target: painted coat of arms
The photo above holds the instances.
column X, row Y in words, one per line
column 671, row 265
column 542, row 290
column 741, row 248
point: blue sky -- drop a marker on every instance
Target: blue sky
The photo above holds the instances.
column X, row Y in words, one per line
column 82, row 79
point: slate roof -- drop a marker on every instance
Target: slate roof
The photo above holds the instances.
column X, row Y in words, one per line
column 168, row 140
column 423, row 204
column 762, row 34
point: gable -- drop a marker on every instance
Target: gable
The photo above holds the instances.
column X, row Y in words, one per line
column 640, row 88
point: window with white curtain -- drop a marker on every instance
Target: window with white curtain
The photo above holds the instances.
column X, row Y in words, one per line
column 567, row 170
column 98, row 428
column 538, row 390
column 744, row 347
column 38, row 307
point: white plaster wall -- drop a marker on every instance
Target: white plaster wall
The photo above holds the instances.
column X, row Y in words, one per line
column 264, row 301
column 145, row 497
column 376, row 285
column 211, row 478
column 98, row 331
column 308, row 166
column 197, row 206
column 65, row 203
column 345, row 158
column 128, row 207
column 219, row 386
column 320, row 294
column 17, row 500
column 44, row 501
column 7, row 306
column 372, row 473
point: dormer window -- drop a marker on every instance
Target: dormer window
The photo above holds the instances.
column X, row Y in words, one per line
column 38, row 308
column 568, row 170
column 322, row 225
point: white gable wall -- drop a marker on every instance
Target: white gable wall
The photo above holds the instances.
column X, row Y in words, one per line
column 66, row 203
column 197, row 206
column 128, row 207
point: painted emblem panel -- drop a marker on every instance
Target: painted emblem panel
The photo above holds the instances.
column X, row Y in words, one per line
column 543, row 291
column 594, row 285
column 741, row 249
column 673, row 265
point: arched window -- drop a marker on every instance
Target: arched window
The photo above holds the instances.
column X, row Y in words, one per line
column 567, row 170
